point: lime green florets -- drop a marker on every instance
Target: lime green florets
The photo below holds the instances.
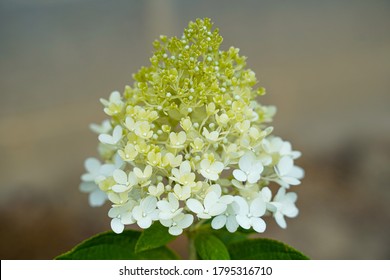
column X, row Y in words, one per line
column 191, row 92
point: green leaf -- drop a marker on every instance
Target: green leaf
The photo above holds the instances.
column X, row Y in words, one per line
column 263, row 249
column 209, row 247
column 155, row 236
column 228, row 237
column 112, row 246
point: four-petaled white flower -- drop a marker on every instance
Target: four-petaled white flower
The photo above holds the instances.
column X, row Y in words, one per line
column 284, row 206
column 250, row 169
column 211, row 136
column 143, row 175
column 213, row 204
column 249, row 215
column 146, row 212
column 276, row 145
column 142, row 129
column 121, row 216
column 182, row 192
column 156, row 190
column 123, row 181
column 112, row 139
column 177, row 139
column 210, row 170
column 104, row 127
column 178, row 223
column 288, row 174
column 96, row 173
column 114, row 105
column 169, row 208
column 227, row 218
column 184, row 175
column 96, row 196
column 92, row 165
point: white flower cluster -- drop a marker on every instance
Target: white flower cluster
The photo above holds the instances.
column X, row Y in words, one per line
column 188, row 142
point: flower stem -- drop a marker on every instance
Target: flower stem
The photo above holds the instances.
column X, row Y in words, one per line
column 191, row 247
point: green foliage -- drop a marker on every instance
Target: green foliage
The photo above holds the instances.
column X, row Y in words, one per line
column 112, row 246
column 263, row 249
column 209, row 247
column 153, row 237
column 151, row 245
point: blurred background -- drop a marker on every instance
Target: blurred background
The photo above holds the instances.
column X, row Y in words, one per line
column 325, row 64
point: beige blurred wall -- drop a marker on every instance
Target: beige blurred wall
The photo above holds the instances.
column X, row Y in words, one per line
column 325, row 65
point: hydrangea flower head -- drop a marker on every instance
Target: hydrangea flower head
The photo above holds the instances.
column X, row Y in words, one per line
column 192, row 142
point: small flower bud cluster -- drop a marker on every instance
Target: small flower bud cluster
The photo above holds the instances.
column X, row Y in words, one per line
column 188, row 142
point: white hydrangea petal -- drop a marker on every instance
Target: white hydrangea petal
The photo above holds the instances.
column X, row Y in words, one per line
column 104, row 127
column 226, row 199
column 231, row 223
column 266, row 194
column 92, row 165
column 257, row 207
column 185, row 167
column 216, row 188
column 210, row 199
column 175, row 230
column 280, row 194
column 117, row 134
column 113, row 212
column 173, row 202
column 107, row 169
column 97, row 198
column 164, row 205
column 138, row 172
column 253, row 177
column 291, row 180
column 166, row 223
column 242, row 205
column 258, row 224
column 106, row 139
column 154, row 214
column 291, row 212
column 209, row 175
column 186, row 221
column 119, row 188
column 137, row 212
column 87, row 187
column 284, row 165
column 117, row 226
column 132, row 180
column 245, row 162
column 148, row 171
column 217, row 208
column 194, row 205
column 297, row 172
column 218, row 166
column 120, row 176
column 144, row 222
column 218, row 222
column 272, row 207
column 243, row 221
column 239, row 175
column 291, row 197
column 149, row 204
column 127, row 218
column 204, row 216
column 279, row 218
